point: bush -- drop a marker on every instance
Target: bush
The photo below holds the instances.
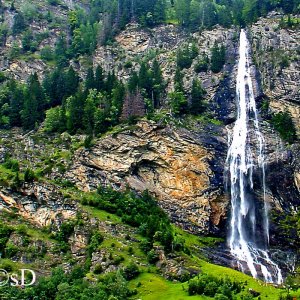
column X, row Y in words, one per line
column 2, row 77
column 211, row 286
column 29, row 175
column 53, row 2
column 221, row 297
column 283, row 123
column 217, row 58
column 98, row 269
column 88, row 141
column 12, row 164
column 47, row 53
column 202, row 65
column 5, row 232
column 10, row 250
column 131, row 271
column 128, row 64
column 152, row 257
column 211, row 289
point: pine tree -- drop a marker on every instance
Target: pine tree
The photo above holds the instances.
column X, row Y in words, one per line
column 16, row 103
column 29, row 114
column 145, row 79
column 133, row 82
column 61, row 52
column 158, row 84
column 178, row 81
column 74, row 112
column 37, row 91
column 89, row 111
column 178, row 102
column 90, row 79
column 111, row 80
column 34, row 103
column 217, row 57
column 118, row 95
column 71, row 82
column 99, row 79
column 19, row 24
column 197, row 95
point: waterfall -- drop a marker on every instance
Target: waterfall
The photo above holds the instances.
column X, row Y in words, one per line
column 248, row 239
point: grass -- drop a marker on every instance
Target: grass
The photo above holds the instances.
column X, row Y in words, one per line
column 102, row 215
column 155, row 287
column 6, row 176
column 152, row 286
column 266, row 291
column 193, row 241
column 116, row 245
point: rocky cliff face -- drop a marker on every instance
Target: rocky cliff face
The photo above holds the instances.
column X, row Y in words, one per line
column 136, row 43
column 183, row 169
column 276, row 53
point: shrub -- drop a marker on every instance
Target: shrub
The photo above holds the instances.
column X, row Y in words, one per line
column 29, row 175
column 131, row 271
column 217, row 58
column 152, row 257
column 10, row 250
column 98, row 269
column 47, row 53
column 128, row 64
column 12, row 164
column 202, row 65
column 283, row 123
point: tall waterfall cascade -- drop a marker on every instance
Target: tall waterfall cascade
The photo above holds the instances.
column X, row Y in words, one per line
column 248, row 238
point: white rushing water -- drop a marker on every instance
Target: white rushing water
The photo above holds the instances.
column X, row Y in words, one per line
column 248, row 239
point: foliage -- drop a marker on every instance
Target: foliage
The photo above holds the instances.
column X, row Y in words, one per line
column 197, row 96
column 29, row 175
column 217, row 58
column 186, row 55
column 47, row 53
column 283, row 123
column 63, row 286
column 178, row 102
column 141, row 212
column 212, row 286
column 131, row 271
column 202, row 65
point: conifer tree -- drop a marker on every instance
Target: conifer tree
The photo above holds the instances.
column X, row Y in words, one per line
column 16, row 103
column 90, row 79
column 158, row 84
column 99, row 79
column 61, row 52
column 217, row 57
column 197, row 95
column 71, row 82
column 34, row 103
column 89, row 111
column 110, row 82
column 133, row 82
column 74, row 112
column 178, row 81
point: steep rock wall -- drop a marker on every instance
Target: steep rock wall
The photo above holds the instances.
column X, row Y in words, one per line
column 182, row 169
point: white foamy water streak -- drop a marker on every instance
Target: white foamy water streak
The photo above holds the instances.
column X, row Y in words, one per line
column 247, row 243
